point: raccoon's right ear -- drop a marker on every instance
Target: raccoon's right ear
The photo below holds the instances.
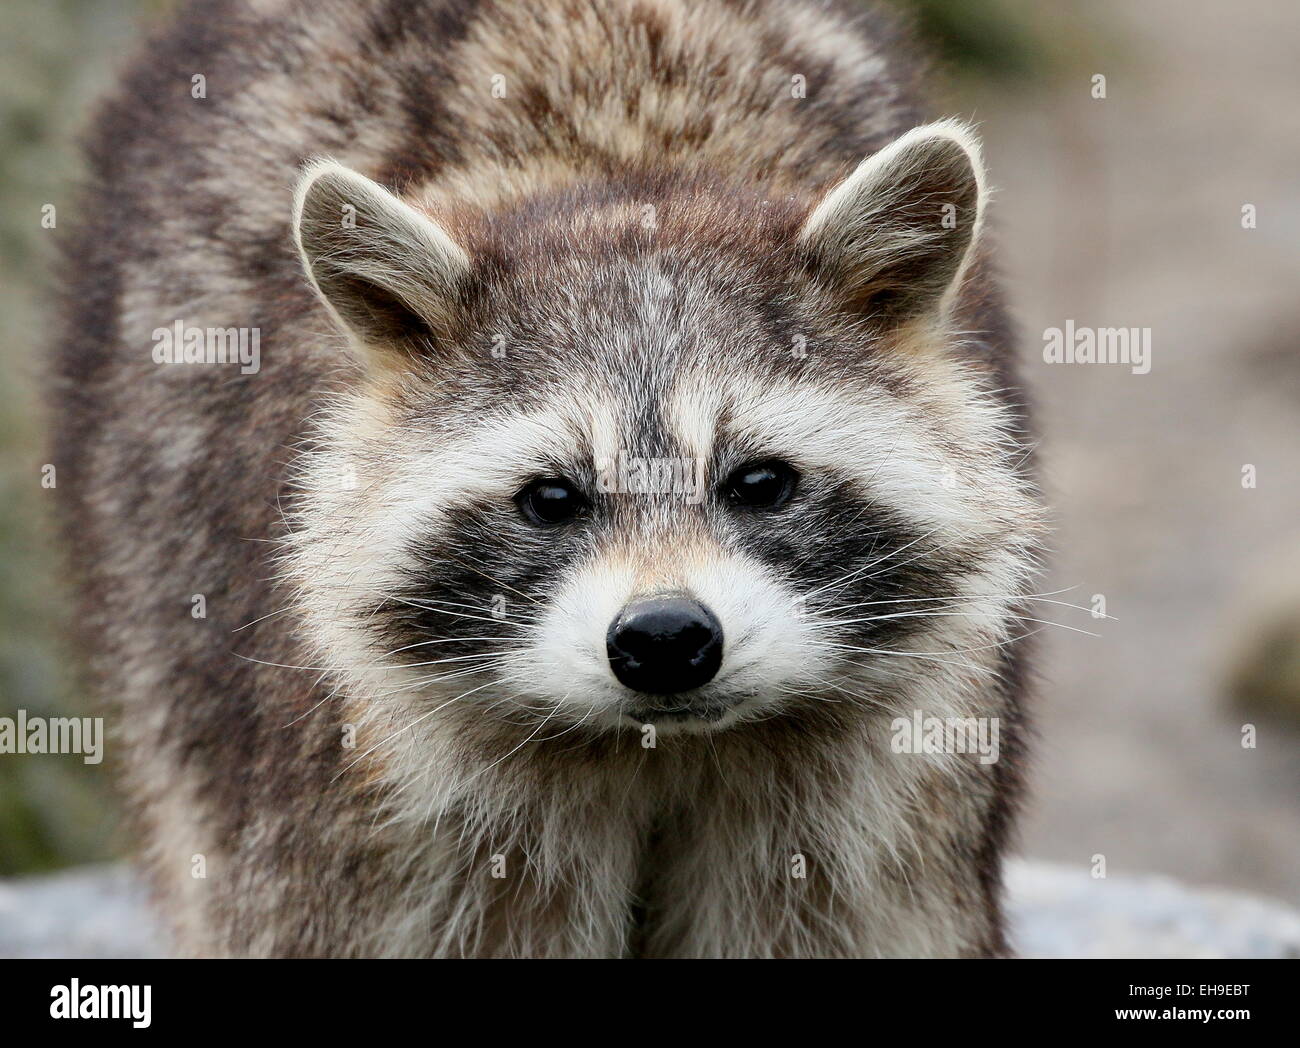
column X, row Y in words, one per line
column 894, row 237
column 387, row 272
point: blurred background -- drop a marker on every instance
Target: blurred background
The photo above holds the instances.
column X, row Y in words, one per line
column 1115, row 211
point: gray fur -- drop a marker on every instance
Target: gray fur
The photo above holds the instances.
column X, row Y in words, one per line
column 622, row 252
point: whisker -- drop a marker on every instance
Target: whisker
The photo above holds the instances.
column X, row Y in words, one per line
column 440, row 611
column 260, row 618
column 492, row 579
column 844, row 580
column 928, row 614
column 966, row 596
column 449, row 640
column 951, row 651
column 417, row 720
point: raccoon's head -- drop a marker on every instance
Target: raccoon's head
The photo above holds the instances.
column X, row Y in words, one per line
column 657, row 449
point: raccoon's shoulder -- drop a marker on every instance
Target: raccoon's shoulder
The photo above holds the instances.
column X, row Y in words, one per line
column 224, row 105
column 786, row 89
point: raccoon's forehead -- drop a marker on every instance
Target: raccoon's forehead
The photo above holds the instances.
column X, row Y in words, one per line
column 629, row 319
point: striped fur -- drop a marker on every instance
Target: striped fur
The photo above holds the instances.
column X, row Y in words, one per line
column 668, row 228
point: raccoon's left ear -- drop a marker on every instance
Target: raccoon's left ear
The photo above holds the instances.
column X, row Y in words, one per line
column 894, row 236
column 387, row 272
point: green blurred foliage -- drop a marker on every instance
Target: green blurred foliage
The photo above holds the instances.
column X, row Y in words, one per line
column 990, row 38
column 54, row 55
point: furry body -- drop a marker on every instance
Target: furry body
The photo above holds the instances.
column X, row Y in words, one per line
column 338, row 509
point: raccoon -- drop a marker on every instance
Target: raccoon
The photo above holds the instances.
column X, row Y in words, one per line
column 631, row 457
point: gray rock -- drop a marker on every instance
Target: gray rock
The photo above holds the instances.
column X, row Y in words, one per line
column 1062, row 911
column 1055, row 911
column 92, row 911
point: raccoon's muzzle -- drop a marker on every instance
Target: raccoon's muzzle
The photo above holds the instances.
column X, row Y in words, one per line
column 665, row 645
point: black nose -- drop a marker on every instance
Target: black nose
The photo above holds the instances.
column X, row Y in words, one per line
column 665, row 644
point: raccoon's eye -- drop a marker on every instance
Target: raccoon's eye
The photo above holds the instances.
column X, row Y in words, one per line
column 550, row 501
column 763, row 485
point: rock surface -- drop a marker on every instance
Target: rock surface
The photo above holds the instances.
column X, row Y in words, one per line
column 92, row 911
column 1056, row 911
column 1061, row 911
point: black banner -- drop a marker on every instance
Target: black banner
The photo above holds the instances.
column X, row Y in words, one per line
column 440, row 1000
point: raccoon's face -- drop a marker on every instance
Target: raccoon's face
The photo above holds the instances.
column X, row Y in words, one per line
column 675, row 459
